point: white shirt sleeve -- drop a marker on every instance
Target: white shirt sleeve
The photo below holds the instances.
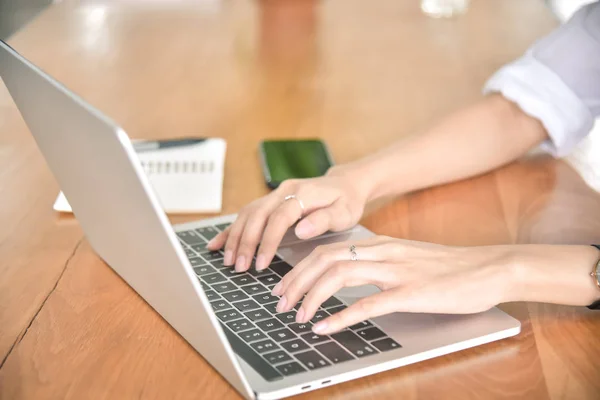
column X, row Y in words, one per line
column 558, row 81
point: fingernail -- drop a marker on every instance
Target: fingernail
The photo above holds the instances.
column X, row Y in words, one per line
column 305, row 229
column 277, row 289
column 320, row 327
column 240, row 264
column 281, row 305
column 300, row 315
column 228, row 260
column 260, row 262
column 211, row 243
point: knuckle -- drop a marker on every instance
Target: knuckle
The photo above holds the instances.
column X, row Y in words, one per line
column 364, row 306
column 292, row 289
column 277, row 217
column 337, row 270
column 287, row 184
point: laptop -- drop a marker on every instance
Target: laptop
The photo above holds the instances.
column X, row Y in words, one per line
column 229, row 318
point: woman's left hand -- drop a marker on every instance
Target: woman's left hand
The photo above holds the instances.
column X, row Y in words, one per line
column 413, row 277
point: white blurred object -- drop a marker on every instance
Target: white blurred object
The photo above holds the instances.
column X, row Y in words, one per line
column 444, row 8
column 585, row 158
column 565, row 8
column 185, row 179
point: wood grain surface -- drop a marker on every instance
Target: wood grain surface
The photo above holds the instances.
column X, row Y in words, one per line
column 357, row 74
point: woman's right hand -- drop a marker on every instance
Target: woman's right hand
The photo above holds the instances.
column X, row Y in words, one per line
column 334, row 202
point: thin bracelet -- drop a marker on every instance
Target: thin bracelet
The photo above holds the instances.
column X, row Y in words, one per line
column 595, row 274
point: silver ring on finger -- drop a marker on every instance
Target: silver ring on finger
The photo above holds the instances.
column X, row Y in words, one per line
column 293, row 196
column 353, row 255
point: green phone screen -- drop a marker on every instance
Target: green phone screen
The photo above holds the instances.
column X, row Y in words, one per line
column 288, row 159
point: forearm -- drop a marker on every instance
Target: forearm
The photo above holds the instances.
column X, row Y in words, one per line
column 469, row 142
column 552, row 274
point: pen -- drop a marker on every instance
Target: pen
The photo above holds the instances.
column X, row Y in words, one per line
column 165, row 144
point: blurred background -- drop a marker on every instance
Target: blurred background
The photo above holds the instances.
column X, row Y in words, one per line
column 14, row 14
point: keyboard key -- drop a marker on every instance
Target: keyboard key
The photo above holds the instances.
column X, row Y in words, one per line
column 240, row 325
column 212, row 295
column 277, row 357
column 208, row 232
column 272, row 308
column 205, row 287
column 219, row 305
column 331, row 302
column 235, row 296
column 212, row 255
column 220, row 264
column 282, row 335
column 269, row 280
column 196, row 261
column 334, row 352
column 211, row 279
column 199, row 248
column 300, row 328
column 361, row 325
column 228, row 315
column 252, row 335
column 287, row 317
column 337, row 309
column 371, row 334
column 242, row 280
column 224, row 287
column 265, row 298
column 251, row 356
column 269, row 325
column 254, row 289
column 281, row 268
column 246, row 305
column 190, row 237
column 295, row 345
column 257, row 315
column 204, row 269
column 313, row 338
column 229, row 272
column 252, row 271
column 264, row 346
column 386, row 344
column 312, row 360
column 290, row 368
column 319, row 315
column 353, row 343
column 222, row 227
column 189, row 253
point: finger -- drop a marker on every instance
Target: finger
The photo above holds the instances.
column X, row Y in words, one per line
column 255, row 224
column 371, row 249
column 298, row 281
column 218, row 241
column 308, row 198
column 235, row 232
column 306, row 271
column 342, row 274
column 335, row 218
column 284, row 216
column 366, row 308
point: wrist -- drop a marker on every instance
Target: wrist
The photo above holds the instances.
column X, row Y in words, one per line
column 552, row 274
column 357, row 176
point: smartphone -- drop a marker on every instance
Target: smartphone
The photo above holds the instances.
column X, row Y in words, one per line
column 293, row 159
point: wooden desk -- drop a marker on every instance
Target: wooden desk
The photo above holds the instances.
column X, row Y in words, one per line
column 357, row 74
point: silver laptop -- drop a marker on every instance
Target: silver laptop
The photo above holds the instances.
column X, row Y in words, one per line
column 229, row 318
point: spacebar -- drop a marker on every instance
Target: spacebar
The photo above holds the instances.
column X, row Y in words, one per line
column 251, row 357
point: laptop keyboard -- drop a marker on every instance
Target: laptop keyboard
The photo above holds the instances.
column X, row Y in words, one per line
column 274, row 344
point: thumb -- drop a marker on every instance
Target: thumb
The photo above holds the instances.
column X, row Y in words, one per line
column 334, row 217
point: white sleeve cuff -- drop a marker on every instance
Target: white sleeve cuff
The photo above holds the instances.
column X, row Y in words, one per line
column 540, row 93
